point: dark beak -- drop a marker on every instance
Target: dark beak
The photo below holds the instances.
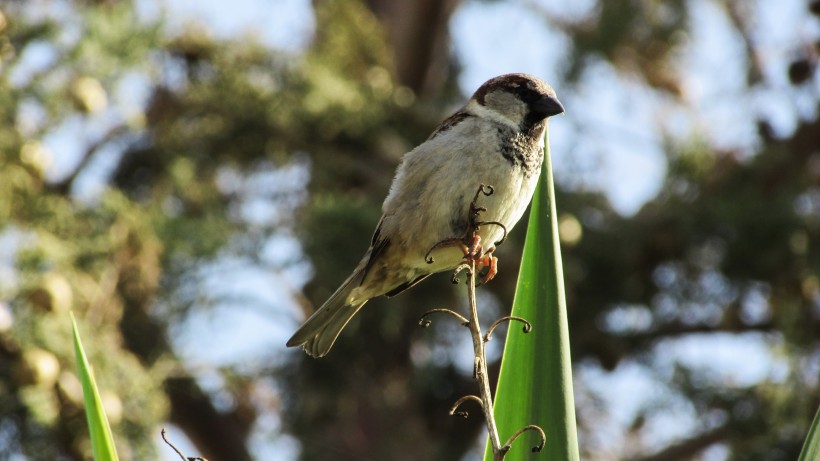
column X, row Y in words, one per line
column 548, row 106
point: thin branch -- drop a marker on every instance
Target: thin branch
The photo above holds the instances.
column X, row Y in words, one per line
column 676, row 329
column 687, row 448
column 472, row 254
column 481, row 374
column 740, row 21
column 183, row 457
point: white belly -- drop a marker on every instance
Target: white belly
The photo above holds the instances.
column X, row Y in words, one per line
column 510, row 197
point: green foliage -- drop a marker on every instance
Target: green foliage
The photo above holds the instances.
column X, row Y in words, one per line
column 535, row 383
column 636, row 36
column 72, row 257
column 102, row 441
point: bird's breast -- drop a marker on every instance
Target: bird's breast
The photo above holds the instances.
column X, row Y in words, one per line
column 521, row 149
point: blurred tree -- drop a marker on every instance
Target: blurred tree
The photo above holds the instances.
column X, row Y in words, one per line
column 727, row 247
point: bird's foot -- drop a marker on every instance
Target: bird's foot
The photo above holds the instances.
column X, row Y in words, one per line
column 490, row 261
column 470, row 244
column 474, row 252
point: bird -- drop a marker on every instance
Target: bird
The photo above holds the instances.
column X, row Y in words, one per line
column 494, row 144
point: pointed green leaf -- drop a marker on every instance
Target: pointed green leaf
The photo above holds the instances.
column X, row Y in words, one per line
column 811, row 448
column 102, row 442
column 535, row 384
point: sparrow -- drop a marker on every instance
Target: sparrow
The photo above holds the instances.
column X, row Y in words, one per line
column 496, row 139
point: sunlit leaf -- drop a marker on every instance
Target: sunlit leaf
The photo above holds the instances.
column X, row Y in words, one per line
column 102, row 442
column 811, row 448
column 535, row 384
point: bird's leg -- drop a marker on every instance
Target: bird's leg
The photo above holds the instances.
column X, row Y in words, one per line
column 470, row 244
column 488, row 260
column 473, row 251
column 476, row 253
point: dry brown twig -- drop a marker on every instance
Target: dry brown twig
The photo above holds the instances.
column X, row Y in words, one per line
column 183, row 457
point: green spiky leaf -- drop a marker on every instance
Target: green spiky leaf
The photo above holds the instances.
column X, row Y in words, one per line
column 811, row 448
column 535, row 384
column 102, row 441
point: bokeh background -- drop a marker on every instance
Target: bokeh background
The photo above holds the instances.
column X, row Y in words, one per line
column 192, row 177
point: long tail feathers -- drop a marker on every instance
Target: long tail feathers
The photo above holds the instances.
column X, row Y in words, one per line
column 320, row 330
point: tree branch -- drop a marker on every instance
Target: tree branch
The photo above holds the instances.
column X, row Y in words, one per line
column 218, row 436
column 685, row 449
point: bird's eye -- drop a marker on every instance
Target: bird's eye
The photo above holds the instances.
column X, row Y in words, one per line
column 526, row 94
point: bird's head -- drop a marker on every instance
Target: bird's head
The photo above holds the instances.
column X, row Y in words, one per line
column 516, row 99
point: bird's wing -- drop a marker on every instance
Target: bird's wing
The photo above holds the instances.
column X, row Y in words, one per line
column 377, row 247
column 404, row 286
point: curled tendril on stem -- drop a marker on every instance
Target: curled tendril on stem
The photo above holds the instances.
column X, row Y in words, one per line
column 472, row 230
column 424, row 322
column 527, row 325
column 531, row 427
column 454, row 408
column 451, row 242
column 496, row 223
column 462, row 267
column 485, row 189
